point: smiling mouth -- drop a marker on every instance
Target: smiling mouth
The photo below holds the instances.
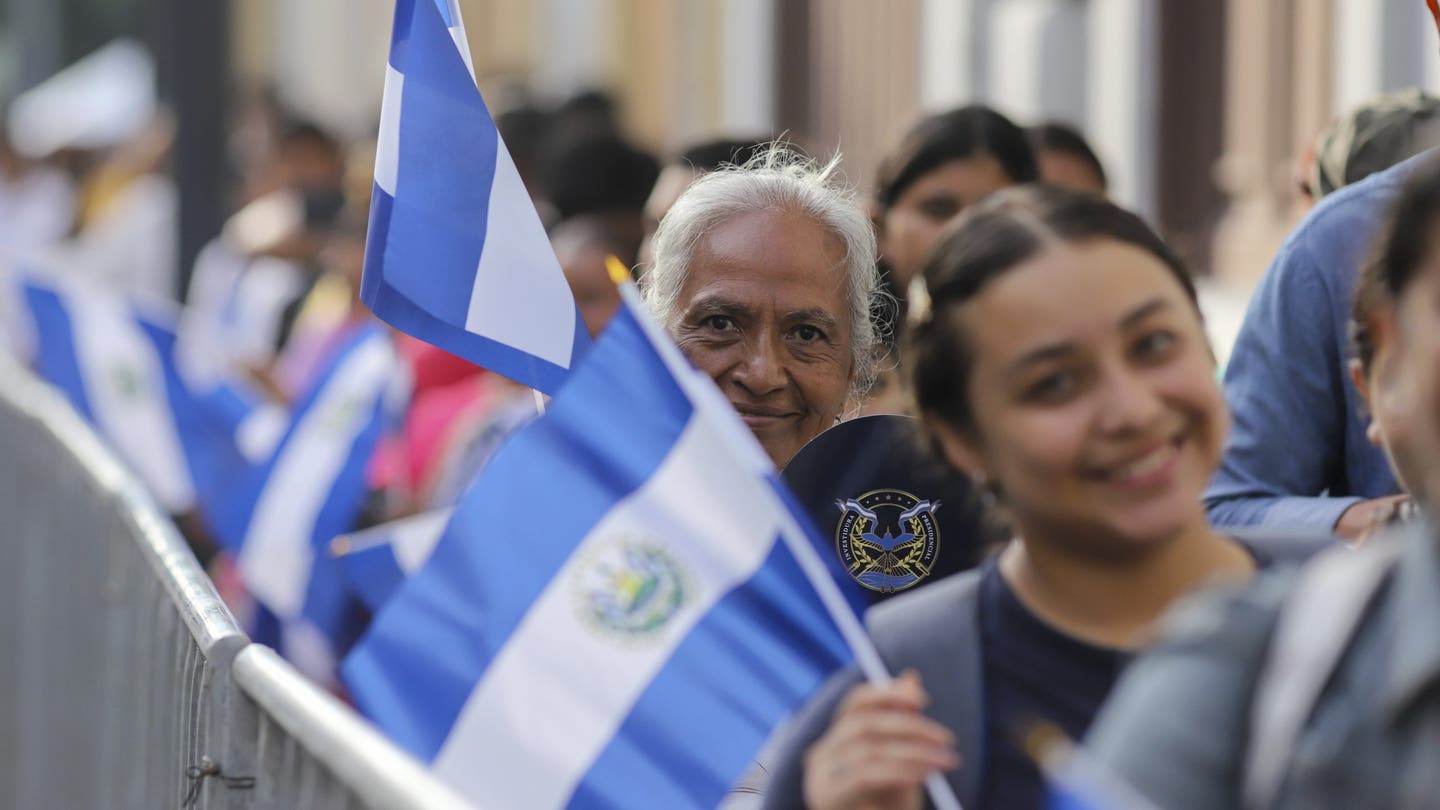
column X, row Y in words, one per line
column 1154, row 467
column 757, row 417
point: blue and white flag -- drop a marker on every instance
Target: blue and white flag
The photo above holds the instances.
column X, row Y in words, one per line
column 457, row 255
column 375, row 562
column 112, row 357
column 310, row 489
column 620, row 611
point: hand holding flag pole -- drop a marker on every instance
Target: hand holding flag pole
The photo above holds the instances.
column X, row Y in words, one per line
column 793, row 533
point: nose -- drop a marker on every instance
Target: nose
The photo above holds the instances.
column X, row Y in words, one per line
column 762, row 371
column 1130, row 402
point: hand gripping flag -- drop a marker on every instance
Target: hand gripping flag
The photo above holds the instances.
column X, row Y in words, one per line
column 456, row 254
column 622, row 607
column 281, row 513
column 113, row 359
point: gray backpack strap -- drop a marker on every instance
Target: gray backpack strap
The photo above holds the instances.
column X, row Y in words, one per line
column 1314, row 628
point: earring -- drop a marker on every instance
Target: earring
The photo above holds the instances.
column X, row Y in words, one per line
column 988, row 492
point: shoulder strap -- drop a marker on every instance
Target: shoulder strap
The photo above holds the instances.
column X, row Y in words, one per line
column 949, row 664
column 1315, row 626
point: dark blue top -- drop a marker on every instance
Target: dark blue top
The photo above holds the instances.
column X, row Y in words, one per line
column 1297, row 456
column 1032, row 673
column 1035, row 673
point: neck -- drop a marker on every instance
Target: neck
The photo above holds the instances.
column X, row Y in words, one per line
column 1114, row 602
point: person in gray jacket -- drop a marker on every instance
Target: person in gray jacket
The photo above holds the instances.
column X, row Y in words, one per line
column 1063, row 367
column 1318, row 689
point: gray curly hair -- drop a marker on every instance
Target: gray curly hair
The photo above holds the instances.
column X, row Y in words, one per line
column 778, row 177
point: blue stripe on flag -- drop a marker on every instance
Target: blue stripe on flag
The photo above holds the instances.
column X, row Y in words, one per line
column 444, row 8
column 447, row 168
column 696, row 690
column 55, row 357
column 480, row 579
column 374, row 574
column 429, row 221
column 404, row 314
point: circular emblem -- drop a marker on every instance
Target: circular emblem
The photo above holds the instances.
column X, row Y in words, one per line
column 887, row 539
column 630, row 586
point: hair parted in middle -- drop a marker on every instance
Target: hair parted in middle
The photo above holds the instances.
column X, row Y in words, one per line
column 999, row 234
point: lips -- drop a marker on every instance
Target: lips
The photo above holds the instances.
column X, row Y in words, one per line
column 1150, row 468
column 761, row 416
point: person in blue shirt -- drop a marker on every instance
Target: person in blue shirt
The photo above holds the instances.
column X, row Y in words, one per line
column 1297, row 456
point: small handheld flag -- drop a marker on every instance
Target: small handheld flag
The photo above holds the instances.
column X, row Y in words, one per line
column 456, row 254
column 562, row 650
column 377, row 561
column 113, row 359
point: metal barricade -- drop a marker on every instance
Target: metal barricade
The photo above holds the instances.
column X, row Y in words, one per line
column 124, row 680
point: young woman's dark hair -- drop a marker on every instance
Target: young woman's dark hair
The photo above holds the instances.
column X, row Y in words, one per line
column 1002, row 232
column 967, row 132
column 1053, row 136
column 1398, row 255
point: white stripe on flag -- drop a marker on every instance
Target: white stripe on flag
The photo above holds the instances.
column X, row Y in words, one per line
column 276, row 556
column 560, row 687
column 538, row 315
column 415, row 538
column 126, row 387
column 387, row 145
column 462, row 43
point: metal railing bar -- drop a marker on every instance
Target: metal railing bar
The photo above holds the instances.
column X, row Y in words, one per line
column 367, row 763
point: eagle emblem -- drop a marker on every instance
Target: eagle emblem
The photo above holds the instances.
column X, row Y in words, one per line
column 887, row 539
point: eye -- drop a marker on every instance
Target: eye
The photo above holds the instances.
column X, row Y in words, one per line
column 808, row 334
column 719, row 323
column 1154, row 345
column 940, row 209
column 1053, row 388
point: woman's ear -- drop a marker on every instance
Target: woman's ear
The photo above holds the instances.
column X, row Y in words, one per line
column 959, row 450
column 1357, row 378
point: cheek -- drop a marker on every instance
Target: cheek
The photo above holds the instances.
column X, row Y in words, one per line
column 711, row 359
column 825, row 387
column 1192, row 391
column 1038, row 448
column 909, row 236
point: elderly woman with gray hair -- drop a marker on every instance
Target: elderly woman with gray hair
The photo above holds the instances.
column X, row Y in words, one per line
column 764, row 274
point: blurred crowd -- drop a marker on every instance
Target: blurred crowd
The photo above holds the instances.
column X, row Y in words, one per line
column 1049, row 342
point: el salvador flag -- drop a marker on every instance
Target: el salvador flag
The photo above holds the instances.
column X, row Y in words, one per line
column 112, row 357
column 279, row 515
column 614, row 616
column 457, row 255
column 375, row 562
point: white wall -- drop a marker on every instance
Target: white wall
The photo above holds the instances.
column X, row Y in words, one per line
column 329, row 59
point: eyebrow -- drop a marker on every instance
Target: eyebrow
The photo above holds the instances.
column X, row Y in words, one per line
column 1145, row 310
column 1055, row 350
column 715, row 305
column 813, row 315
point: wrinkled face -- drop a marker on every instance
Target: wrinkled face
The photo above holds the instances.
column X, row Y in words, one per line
column 764, row 313
column 912, row 225
column 1096, row 409
column 1409, row 396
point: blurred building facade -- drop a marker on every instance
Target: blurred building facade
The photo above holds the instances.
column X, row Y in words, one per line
column 1197, row 108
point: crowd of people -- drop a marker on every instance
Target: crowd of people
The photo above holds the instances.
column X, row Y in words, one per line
column 1052, row 348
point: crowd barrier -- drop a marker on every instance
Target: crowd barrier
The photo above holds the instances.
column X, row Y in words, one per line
column 124, row 680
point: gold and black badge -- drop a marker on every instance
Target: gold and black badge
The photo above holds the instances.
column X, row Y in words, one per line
column 887, row 539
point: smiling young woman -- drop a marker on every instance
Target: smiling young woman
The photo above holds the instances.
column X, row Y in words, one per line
column 1063, row 366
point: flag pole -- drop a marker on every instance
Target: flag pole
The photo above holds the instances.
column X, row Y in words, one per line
column 867, row 658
